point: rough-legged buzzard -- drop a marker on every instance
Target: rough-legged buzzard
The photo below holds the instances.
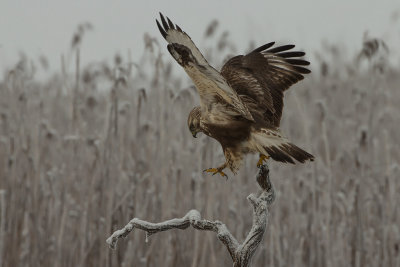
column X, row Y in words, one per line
column 241, row 105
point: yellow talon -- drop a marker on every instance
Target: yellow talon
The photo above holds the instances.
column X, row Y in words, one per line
column 214, row 171
column 261, row 160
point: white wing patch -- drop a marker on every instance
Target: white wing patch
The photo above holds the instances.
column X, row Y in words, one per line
column 210, row 83
column 228, row 94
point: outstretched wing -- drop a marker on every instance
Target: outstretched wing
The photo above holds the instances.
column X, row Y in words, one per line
column 261, row 77
column 216, row 96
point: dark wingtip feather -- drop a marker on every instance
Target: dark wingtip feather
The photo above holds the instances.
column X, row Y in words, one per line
column 291, row 54
column 164, row 23
column 302, row 70
column 280, row 48
column 171, row 25
column 162, row 31
column 298, row 62
column 178, row 28
column 264, row 47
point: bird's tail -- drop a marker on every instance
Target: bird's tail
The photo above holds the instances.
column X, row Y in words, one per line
column 272, row 143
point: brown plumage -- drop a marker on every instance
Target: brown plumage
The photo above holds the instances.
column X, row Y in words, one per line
column 241, row 106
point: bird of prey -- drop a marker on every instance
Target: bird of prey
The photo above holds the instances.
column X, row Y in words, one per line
column 240, row 105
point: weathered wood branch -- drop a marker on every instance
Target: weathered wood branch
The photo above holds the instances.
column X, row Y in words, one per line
column 241, row 253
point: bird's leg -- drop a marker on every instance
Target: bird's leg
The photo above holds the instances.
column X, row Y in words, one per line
column 218, row 170
column 261, row 160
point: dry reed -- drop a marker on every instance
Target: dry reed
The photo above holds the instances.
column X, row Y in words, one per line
column 129, row 154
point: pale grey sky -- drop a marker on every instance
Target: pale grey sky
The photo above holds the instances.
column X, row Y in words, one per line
column 46, row 27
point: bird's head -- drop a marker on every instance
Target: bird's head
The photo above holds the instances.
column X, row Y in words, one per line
column 194, row 121
column 181, row 53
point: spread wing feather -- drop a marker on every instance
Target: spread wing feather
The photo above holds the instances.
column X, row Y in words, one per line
column 216, row 96
column 174, row 34
column 261, row 77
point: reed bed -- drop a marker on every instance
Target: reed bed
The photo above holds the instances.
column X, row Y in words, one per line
column 85, row 151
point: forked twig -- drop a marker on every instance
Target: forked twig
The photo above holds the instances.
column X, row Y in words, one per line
column 241, row 253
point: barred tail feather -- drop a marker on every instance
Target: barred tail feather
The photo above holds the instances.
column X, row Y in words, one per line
column 272, row 143
column 287, row 152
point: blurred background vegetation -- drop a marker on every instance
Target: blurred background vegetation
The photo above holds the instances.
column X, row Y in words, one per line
column 82, row 153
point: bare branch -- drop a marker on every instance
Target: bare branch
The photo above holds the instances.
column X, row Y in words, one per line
column 191, row 218
column 241, row 253
column 260, row 218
